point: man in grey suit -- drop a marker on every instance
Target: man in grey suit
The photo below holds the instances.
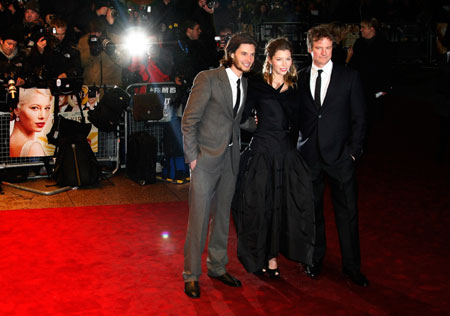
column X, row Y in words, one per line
column 211, row 128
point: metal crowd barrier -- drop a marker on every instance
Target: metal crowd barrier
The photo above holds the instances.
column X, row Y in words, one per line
column 108, row 149
column 167, row 92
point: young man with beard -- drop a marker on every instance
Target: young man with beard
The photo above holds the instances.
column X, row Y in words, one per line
column 211, row 126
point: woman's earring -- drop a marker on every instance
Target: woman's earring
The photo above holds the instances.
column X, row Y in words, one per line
column 270, row 68
column 17, row 119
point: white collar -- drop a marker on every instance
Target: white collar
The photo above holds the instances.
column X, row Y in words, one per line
column 231, row 75
column 326, row 69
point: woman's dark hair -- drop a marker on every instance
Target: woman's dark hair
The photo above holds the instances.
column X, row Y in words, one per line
column 371, row 22
column 233, row 44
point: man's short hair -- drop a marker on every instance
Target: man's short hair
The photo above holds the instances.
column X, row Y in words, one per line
column 316, row 33
column 371, row 22
column 189, row 24
column 233, row 44
column 58, row 22
column 97, row 24
column 10, row 34
column 102, row 3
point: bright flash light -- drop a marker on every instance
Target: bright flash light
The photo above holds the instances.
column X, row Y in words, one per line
column 165, row 235
column 137, row 42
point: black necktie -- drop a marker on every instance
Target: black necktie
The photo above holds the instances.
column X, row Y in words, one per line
column 318, row 88
column 238, row 98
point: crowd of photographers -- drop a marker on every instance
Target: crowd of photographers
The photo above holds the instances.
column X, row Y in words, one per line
column 43, row 40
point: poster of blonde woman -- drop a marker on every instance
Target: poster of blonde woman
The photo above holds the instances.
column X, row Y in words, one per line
column 31, row 120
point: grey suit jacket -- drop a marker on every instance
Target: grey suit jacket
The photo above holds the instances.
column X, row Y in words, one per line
column 208, row 124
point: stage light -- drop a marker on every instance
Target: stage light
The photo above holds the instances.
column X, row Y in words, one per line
column 165, row 235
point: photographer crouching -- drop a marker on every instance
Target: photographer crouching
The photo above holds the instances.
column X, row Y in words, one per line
column 54, row 56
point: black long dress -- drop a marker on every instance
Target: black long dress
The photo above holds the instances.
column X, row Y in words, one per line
column 273, row 207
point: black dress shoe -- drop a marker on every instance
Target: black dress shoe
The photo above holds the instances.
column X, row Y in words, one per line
column 312, row 270
column 357, row 277
column 228, row 279
column 192, row 289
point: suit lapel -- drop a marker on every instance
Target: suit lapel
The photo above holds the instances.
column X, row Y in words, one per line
column 334, row 79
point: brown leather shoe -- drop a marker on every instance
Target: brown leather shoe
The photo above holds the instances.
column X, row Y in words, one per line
column 192, row 289
column 227, row 279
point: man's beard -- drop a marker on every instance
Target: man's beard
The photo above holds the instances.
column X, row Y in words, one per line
column 238, row 67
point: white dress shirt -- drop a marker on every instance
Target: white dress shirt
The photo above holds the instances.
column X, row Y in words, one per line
column 233, row 83
column 325, row 76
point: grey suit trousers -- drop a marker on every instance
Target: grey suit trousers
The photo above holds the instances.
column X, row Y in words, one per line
column 210, row 196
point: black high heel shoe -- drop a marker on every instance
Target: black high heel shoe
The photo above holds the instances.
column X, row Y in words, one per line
column 261, row 271
column 274, row 273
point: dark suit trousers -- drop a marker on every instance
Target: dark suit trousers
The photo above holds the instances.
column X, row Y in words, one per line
column 344, row 195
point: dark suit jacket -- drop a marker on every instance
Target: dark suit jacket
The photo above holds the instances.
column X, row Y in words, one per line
column 208, row 123
column 337, row 129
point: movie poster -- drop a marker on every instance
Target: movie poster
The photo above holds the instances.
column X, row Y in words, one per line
column 32, row 119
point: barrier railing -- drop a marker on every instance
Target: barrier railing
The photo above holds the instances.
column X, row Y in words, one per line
column 107, row 148
column 166, row 92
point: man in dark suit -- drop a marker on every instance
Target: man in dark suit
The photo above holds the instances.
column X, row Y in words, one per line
column 210, row 127
column 332, row 122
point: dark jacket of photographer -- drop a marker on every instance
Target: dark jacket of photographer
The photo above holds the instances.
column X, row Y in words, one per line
column 29, row 34
column 57, row 58
column 191, row 57
column 7, row 18
column 14, row 66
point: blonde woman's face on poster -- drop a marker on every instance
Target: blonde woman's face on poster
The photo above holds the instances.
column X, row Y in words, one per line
column 33, row 116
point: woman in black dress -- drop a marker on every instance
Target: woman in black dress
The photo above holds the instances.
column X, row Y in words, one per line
column 273, row 208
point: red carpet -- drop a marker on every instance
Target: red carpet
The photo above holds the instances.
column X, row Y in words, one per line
column 113, row 260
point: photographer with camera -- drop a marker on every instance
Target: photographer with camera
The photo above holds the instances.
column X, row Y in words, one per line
column 32, row 27
column 103, row 10
column 13, row 64
column 163, row 14
column 54, row 55
column 11, row 12
column 101, row 60
column 225, row 33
